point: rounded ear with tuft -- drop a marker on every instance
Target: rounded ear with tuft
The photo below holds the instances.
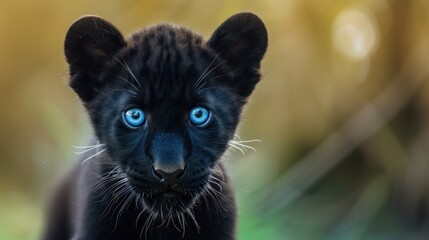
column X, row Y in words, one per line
column 242, row 41
column 89, row 44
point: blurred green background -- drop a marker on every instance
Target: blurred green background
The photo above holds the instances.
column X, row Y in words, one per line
column 342, row 112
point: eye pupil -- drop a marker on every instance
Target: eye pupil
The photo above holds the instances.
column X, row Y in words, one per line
column 198, row 113
column 135, row 115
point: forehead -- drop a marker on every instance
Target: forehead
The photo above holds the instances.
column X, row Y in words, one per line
column 167, row 62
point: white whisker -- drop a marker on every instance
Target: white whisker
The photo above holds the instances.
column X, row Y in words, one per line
column 192, row 215
column 238, row 144
column 205, row 75
column 200, row 88
column 128, row 69
column 126, row 90
column 89, row 146
column 87, row 150
column 247, row 141
column 92, row 156
column 127, row 81
column 202, row 75
column 236, row 147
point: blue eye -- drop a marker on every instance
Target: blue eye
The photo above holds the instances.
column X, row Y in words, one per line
column 199, row 116
column 133, row 117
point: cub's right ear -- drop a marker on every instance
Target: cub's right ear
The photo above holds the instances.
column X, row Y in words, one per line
column 89, row 44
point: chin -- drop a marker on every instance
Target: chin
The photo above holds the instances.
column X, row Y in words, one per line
column 170, row 199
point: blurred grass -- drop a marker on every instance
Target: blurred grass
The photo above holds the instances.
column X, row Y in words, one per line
column 20, row 217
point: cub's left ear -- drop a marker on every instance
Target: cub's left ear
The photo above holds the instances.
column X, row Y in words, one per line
column 89, row 45
column 242, row 41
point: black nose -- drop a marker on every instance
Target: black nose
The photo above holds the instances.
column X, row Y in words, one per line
column 168, row 177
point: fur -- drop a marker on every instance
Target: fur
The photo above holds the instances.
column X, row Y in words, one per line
column 113, row 191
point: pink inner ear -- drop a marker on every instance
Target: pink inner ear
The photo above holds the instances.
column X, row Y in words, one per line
column 94, row 51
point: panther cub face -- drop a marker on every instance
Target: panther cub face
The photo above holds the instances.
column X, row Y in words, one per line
column 165, row 102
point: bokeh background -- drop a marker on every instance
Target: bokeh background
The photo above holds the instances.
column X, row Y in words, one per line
column 342, row 113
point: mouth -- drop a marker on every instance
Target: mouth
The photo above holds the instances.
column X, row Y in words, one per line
column 165, row 193
column 160, row 198
column 168, row 194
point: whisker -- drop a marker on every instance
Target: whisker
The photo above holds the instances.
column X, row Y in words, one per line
column 92, row 156
column 199, row 89
column 126, row 90
column 138, row 216
column 201, row 76
column 128, row 69
column 212, row 180
column 126, row 81
column 214, row 68
column 237, row 136
column 236, row 147
column 192, row 215
column 243, row 145
column 183, row 222
column 240, row 144
column 216, row 170
column 219, row 196
column 90, row 146
column 247, row 141
column 82, row 152
column 87, row 148
column 112, row 188
column 116, row 194
column 125, row 204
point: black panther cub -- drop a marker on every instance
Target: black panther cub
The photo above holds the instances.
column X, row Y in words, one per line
column 163, row 104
